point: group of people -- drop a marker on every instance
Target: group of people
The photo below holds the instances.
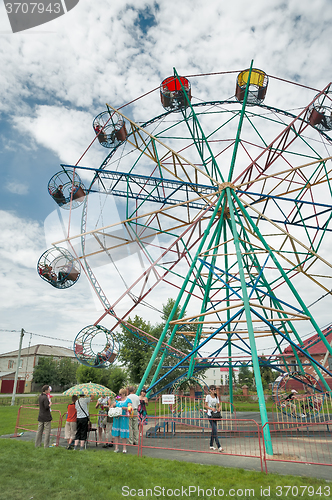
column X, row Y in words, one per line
column 64, row 273
column 121, row 429
column 299, row 405
column 60, row 198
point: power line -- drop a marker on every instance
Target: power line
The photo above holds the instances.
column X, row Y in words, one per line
column 328, row 293
column 38, row 335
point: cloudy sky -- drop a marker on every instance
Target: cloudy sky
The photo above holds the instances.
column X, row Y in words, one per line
column 57, row 77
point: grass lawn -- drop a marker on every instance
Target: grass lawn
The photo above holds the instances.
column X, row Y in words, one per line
column 8, row 416
column 251, row 406
column 56, row 473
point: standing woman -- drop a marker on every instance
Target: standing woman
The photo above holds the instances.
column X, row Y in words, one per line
column 44, row 418
column 212, row 404
column 143, row 403
column 120, row 428
column 81, row 406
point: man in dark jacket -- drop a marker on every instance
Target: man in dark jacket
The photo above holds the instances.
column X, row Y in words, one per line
column 44, row 418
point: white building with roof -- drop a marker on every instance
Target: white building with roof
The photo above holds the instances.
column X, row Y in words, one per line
column 218, row 376
column 29, row 359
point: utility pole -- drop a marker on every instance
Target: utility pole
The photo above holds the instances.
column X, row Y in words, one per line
column 17, row 368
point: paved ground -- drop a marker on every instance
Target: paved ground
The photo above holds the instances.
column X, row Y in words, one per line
column 279, row 467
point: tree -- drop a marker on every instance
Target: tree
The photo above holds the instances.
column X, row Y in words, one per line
column 179, row 342
column 117, row 379
column 55, row 372
column 67, row 369
column 246, row 377
column 86, row 374
column 112, row 377
column 46, row 372
column 134, row 352
column 267, row 374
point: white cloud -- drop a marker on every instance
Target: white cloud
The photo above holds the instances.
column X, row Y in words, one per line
column 53, row 84
column 64, row 131
column 26, row 300
column 109, row 58
column 20, row 240
column 17, row 188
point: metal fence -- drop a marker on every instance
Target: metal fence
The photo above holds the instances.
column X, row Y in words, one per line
column 308, row 409
column 191, row 410
column 27, row 421
column 236, row 437
column 301, row 442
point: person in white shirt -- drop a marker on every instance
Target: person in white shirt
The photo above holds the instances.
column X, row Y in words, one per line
column 212, row 404
column 133, row 420
column 82, row 409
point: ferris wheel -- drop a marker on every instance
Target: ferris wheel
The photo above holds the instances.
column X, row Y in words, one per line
column 223, row 204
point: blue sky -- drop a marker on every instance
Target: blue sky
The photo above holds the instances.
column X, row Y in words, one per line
column 57, row 77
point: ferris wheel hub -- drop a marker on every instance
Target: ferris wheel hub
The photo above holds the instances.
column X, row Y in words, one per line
column 225, row 185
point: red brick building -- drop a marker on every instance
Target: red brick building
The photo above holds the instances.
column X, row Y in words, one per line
column 317, row 350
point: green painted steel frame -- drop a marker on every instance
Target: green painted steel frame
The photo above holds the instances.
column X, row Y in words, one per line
column 229, row 199
column 200, row 141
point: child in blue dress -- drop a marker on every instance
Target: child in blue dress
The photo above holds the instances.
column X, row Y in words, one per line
column 120, row 429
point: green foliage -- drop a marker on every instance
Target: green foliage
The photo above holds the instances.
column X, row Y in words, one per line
column 46, row 371
column 67, row 372
column 136, row 354
column 246, row 377
column 86, row 374
column 116, row 379
column 267, row 374
column 55, row 372
column 179, row 342
column 113, row 377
